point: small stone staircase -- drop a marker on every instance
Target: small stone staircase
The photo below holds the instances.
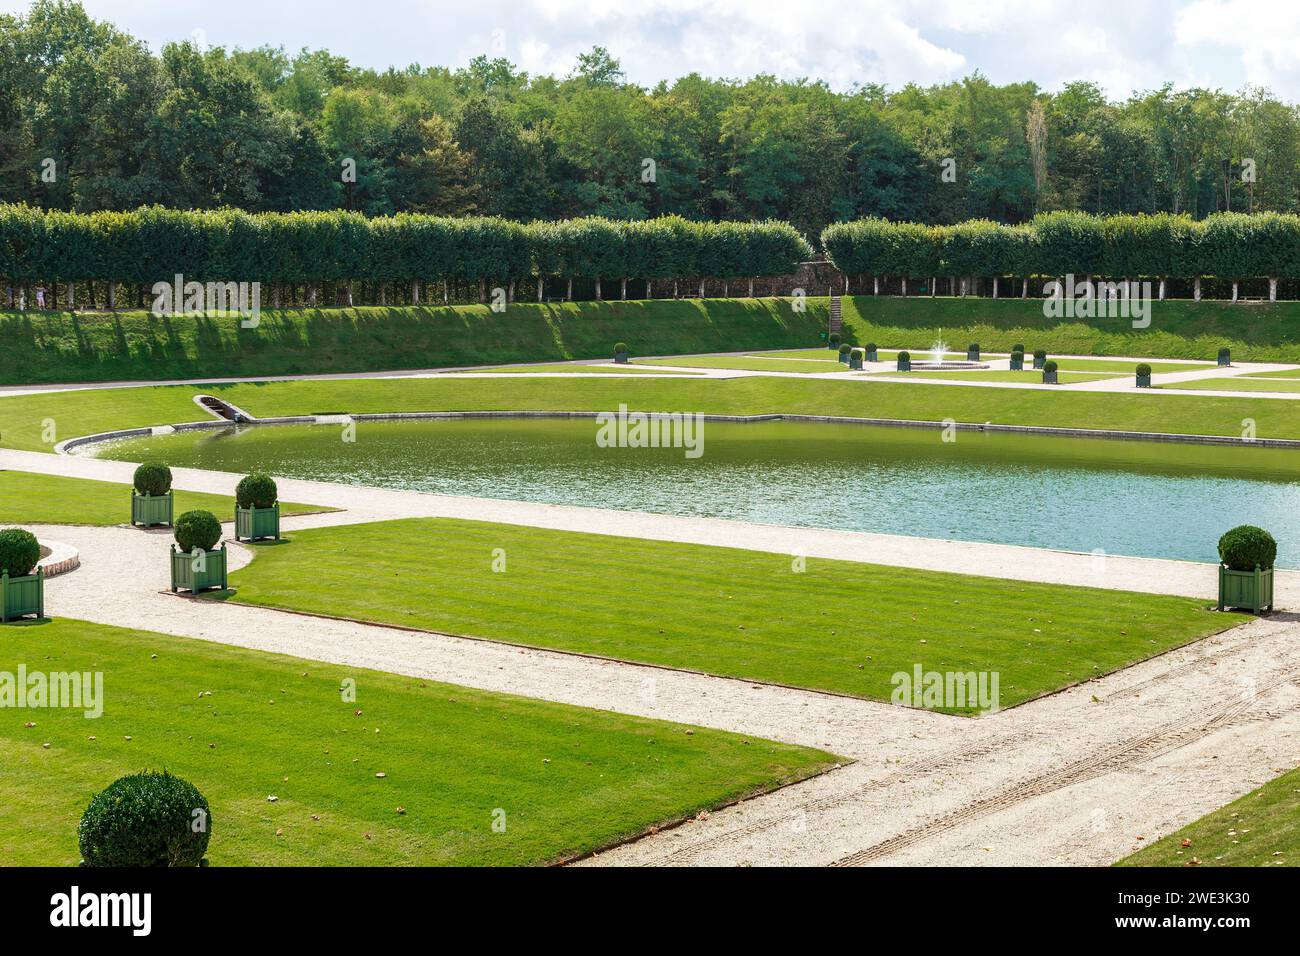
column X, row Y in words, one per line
column 837, row 321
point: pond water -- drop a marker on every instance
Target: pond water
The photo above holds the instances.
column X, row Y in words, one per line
column 1151, row 499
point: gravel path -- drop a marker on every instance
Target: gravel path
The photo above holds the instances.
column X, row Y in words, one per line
column 1075, row 777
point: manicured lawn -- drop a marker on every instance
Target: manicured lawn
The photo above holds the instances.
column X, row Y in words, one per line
column 1239, row 383
column 751, row 363
column 243, row 726
column 1286, row 373
column 838, row 626
column 1028, row 376
column 59, row 347
column 1179, row 328
column 83, row 412
column 1260, row 829
column 603, row 368
column 27, row 498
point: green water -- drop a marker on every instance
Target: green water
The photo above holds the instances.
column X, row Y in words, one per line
column 1136, row 498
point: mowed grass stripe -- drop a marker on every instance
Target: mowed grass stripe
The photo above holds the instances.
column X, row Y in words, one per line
column 838, row 626
column 568, row 779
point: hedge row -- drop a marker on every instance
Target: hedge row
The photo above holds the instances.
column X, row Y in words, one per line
column 152, row 244
column 1229, row 246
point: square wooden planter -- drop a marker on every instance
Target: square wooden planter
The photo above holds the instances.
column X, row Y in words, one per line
column 1225, row 360
column 871, row 355
column 1040, row 362
column 855, row 359
column 151, row 510
column 1144, row 381
column 210, row 574
column 972, row 355
column 22, row 596
column 1017, row 364
column 1246, row 589
column 254, row 523
column 620, row 358
column 1049, row 378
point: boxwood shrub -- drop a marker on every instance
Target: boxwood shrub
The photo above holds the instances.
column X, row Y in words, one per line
column 973, row 347
column 153, row 478
column 845, row 349
column 833, row 339
column 1040, row 354
column 620, row 347
column 1018, row 347
column 146, row 819
column 1050, row 365
column 19, row 552
column 1225, row 352
column 871, row 346
column 197, row 529
column 1246, row 546
column 257, row 490
column 905, row 356
column 1144, row 370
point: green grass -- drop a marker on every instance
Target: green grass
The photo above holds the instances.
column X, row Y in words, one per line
column 28, row 498
column 607, row 367
column 23, row 418
column 1179, row 328
column 1260, row 829
column 1287, row 373
column 1034, row 377
column 568, row 779
column 750, row 363
column 838, row 626
column 1237, row 383
column 61, row 347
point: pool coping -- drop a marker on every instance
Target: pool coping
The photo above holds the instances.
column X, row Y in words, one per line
column 64, row 447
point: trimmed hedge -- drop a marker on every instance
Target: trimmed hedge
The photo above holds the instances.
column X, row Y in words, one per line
column 256, row 490
column 152, row 478
column 19, row 552
column 153, row 244
column 146, row 820
column 1144, row 369
column 1245, row 546
column 197, row 529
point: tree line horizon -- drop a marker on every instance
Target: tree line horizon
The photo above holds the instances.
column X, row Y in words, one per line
column 97, row 121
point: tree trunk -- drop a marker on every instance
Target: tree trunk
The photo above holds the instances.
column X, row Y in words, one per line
column 510, row 291
column 1272, row 288
column 934, row 287
column 963, row 287
column 112, row 297
column 903, row 285
column 675, row 295
column 1234, row 290
column 1162, row 288
column 541, row 288
column 751, row 285
column 1024, row 287
column 1196, row 289
column 995, row 287
column 701, row 288
column 415, row 292
column 568, row 290
column 597, row 289
column 622, row 289
column 875, row 285
column 649, row 294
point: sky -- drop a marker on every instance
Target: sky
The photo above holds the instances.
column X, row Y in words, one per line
column 1122, row 45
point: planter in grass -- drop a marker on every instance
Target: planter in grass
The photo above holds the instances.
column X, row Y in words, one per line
column 197, row 564
column 1225, row 357
column 905, row 361
column 1040, row 358
column 257, row 508
column 1246, row 556
column 620, row 353
column 871, row 352
column 845, row 349
column 1049, row 373
column 833, row 340
column 151, row 498
column 1017, row 361
column 855, row 358
column 22, row 590
column 1144, row 375
column 973, row 352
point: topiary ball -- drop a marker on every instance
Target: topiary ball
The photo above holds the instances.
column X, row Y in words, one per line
column 834, row 338
column 905, row 356
column 845, row 349
column 1144, row 369
column 197, row 529
column 1246, row 546
column 1040, row 353
column 19, row 552
column 146, row 819
column 1018, row 347
column 153, row 478
column 973, row 347
column 620, row 346
column 871, row 346
column 1049, row 366
column 257, row 490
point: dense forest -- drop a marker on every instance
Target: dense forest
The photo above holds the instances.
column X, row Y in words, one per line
column 91, row 119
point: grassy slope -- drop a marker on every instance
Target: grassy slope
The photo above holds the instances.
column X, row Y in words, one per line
column 1179, row 328
column 838, row 626
column 84, row 412
column 27, row 498
column 1260, row 829
column 569, row 779
column 60, row 347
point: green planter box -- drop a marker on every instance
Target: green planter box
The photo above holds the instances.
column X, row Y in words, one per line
column 212, row 573
column 855, row 359
column 150, row 510
column 1225, row 359
column 844, row 358
column 620, row 358
column 1144, row 381
column 1017, row 364
column 254, row 523
column 871, row 356
column 904, row 364
column 1049, row 378
column 1246, row 589
column 1040, row 362
column 22, row 596
column 972, row 355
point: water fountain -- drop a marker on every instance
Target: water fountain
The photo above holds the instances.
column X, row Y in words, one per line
column 937, row 361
